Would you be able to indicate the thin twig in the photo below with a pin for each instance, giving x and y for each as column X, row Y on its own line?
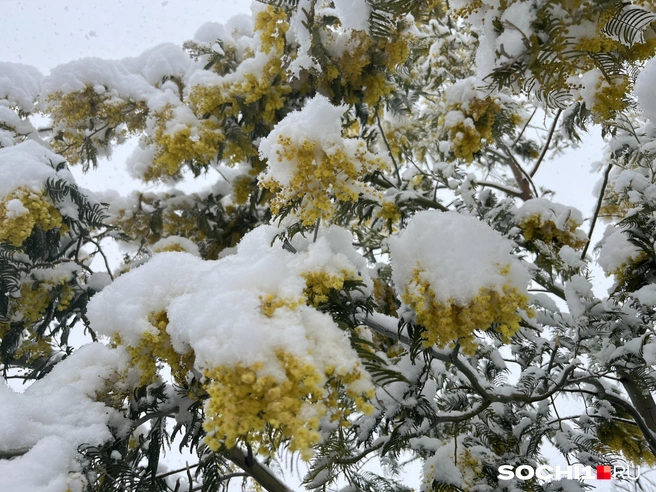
column 102, row 253
column 597, row 209
column 154, row 415
column 508, row 191
column 316, row 229
column 179, row 470
column 389, row 150
column 546, row 144
column 523, row 129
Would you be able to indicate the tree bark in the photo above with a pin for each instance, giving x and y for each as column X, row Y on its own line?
column 260, row 473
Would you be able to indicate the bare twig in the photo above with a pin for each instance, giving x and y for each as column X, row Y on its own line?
column 523, row 129
column 597, row 209
column 316, row 229
column 179, row 470
column 102, row 253
column 259, row 472
column 13, row 453
column 546, row 144
column 389, row 150
column 505, row 189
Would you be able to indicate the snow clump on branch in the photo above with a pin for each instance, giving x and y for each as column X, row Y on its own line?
column 458, row 275
column 274, row 367
column 310, row 162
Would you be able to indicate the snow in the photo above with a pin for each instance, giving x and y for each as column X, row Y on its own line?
column 440, row 468
column 165, row 60
column 15, row 208
column 20, row 85
column 145, row 290
column 645, row 90
column 577, row 289
column 215, row 307
column 97, row 281
column 300, row 33
column 440, row 243
column 353, row 14
column 616, row 250
column 54, row 416
column 517, row 19
column 13, row 127
column 26, row 165
column 646, row 295
column 461, row 92
column 571, row 257
column 318, row 121
column 111, row 74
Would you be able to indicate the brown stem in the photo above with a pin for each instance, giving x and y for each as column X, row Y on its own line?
column 600, row 202
column 546, row 144
column 521, row 177
column 260, row 473
column 643, row 401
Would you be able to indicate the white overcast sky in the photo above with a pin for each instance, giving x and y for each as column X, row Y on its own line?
column 46, row 33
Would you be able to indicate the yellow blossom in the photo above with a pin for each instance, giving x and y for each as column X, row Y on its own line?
column 246, row 405
column 156, row 346
column 39, row 211
column 450, row 321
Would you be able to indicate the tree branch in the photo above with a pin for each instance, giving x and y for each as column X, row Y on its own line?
column 600, row 201
column 546, row 144
column 389, row 150
column 452, row 357
column 13, row 453
column 522, row 178
column 506, row 190
column 645, row 429
column 259, row 472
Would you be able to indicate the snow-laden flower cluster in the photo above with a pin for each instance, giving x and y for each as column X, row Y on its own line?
column 618, row 256
column 275, row 368
column 254, row 79
column 449, row 300
column 550, row 222
column 309, row 162
column 25, row 168
column 583, row 37
column 469, row 118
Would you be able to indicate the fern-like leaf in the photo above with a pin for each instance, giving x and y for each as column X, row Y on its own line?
column 283, row 4
column 628, row 25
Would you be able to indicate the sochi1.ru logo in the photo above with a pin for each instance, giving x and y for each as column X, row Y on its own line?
column 571, row 472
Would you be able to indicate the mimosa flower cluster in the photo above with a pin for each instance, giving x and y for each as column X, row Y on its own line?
column 450, row 302
column 275, row 369
column 311, row 166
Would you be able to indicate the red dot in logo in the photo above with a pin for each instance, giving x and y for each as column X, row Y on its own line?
column 603, row 472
